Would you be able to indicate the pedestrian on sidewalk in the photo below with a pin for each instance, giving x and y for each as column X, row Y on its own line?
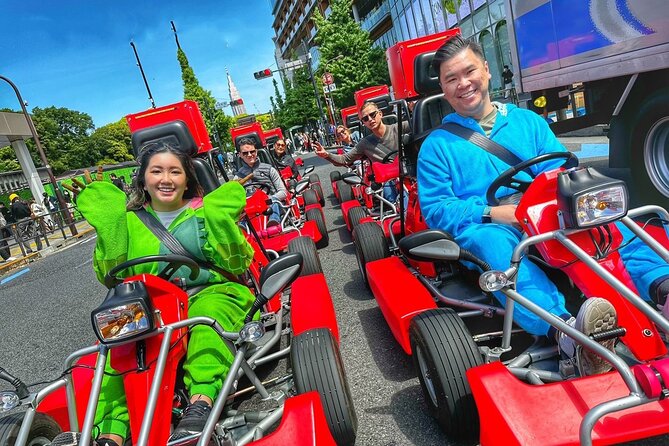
column 25, row 225
column 5, row 233
column 507, row 77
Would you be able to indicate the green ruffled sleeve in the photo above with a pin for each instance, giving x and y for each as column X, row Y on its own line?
column 222, row 209
column 103, row 205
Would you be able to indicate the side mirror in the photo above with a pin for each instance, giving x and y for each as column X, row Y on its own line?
column 353, row 180
column 302, row 186
column 308, row 169
column 279, row 273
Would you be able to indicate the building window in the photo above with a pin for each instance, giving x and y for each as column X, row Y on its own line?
column 481, row 20
column 411, row 23
column 464, row 10
column 438, row 14
column 502, row 36
column 418, row 17
column 427, row 16
column 466, row 28
column 497, row 10
column 486, row 41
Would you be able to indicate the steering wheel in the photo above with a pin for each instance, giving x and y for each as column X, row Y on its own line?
column 174, row 262
column 254, row 184
column 505, row 179
column 390, row 155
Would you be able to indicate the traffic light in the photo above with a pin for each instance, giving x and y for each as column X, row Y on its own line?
column 236, row 102
column 262, row 74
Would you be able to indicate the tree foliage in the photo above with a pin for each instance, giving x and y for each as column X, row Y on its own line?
column 361, row 65
column 112, row 142
column 217, row 122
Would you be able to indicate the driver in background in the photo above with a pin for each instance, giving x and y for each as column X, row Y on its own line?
column 283, row 158
column 454, row 175
column 263, row 175
column 167, row 187
column 374, row 147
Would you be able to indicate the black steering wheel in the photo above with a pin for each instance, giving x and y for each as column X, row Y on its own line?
column 174, row 262
column 254, row 184
column 389, row 156
column 505, row 179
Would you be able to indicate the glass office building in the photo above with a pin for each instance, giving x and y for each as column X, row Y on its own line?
column 483, row 20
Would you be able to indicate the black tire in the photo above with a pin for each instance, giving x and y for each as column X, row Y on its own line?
column 345, row 191
column 316, row 187
column 310, row 197
column 42, row 431
column 443, row 350
column 317, row 216
column 335, row 176
column 370, row 245
column 354, row 216
column 645, row 129
column 306, row 246
column 313, row 178
column 317, row 365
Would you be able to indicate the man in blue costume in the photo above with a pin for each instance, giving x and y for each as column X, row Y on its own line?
column 454, row 175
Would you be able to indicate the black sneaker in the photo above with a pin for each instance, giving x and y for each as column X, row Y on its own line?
column 194, row 418
column 73, row 439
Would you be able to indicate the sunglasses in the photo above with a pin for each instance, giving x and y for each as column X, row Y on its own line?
column 280, row 144
column 341, row 132
column 249, row 153
column 372, row 115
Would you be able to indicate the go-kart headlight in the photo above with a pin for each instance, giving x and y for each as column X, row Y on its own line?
column 587, row 198
column 8, row 401
column 126, row 313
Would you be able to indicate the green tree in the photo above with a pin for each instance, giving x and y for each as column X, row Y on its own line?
column 299, row 103
column 113, row 143
column 215, row 119
column 8, row 161
column 361, row 65
column 64, row 135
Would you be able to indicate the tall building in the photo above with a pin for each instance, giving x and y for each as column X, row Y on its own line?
column 236, row 102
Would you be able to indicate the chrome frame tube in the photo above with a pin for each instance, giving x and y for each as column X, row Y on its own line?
column 507, row 326
column 92, row 406
column 597, row 412
column 26, row 424
column 69, row 386
column 273, row 356
column 456, row 302
column 579, row 337
column 543, row 376
column 273, row 340
column 255, row 381
column 263, row 425
column 217, row 408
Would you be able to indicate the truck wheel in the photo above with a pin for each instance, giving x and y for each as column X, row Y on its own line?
column 370, row 245
column 306, row 246
column 310, row 197
column 650, row 132
column 317, row 365
column 345, row 191
column 42, row 431
column 316, row 215
column 335, row 176
column 316, row 187
column 354, row 216
column 443, row 350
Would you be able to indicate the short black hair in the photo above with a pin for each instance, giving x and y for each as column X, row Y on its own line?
column 246, row 142
column 453, row 46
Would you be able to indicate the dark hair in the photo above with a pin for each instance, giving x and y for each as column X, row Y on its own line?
column 368, row 104
column 454, row 46
column 139, row 196
column 506, row 66
column 246, row 142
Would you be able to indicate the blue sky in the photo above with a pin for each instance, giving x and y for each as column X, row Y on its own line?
column 77, row 54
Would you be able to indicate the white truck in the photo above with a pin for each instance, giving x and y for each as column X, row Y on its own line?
column 613, row 55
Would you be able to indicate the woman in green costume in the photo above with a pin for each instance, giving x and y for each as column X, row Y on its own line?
column 166, row 186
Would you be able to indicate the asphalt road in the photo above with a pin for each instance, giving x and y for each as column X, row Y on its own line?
column 45, row 315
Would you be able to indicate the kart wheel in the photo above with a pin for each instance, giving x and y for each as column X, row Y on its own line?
column 306, row 246
column 42, row 431
column 317, row 365
column 316, row 215
column 354, row 216
column 345, row 191
column 443, row 350
column 313, row 178
column 310, row 197
column 335, row 175
column 370, row 244
column 316, row 187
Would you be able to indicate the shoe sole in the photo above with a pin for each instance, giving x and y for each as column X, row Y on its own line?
column 598, row 315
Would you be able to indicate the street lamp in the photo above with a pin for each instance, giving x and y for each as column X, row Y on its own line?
column 42, row 155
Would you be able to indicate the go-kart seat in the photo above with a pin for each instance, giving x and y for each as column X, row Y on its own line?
column 176, row 133
column 253, row 136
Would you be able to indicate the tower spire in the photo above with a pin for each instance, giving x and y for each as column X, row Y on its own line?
column 238, row 107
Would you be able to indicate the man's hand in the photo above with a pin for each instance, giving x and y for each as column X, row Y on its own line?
column 320, row 151
column 505, row 214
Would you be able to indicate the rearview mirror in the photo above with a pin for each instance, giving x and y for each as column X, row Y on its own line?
column 353, row 180
column 279, row 273
column 308, row 169
column 301, row 186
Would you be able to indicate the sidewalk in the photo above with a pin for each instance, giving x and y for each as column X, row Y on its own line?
column 56, row 240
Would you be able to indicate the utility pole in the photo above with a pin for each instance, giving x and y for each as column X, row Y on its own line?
column 313, row 82
column 141, row 70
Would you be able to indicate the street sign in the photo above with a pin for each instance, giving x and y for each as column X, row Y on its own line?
column 327, row 78
column 294, row 64
column 329, row 88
